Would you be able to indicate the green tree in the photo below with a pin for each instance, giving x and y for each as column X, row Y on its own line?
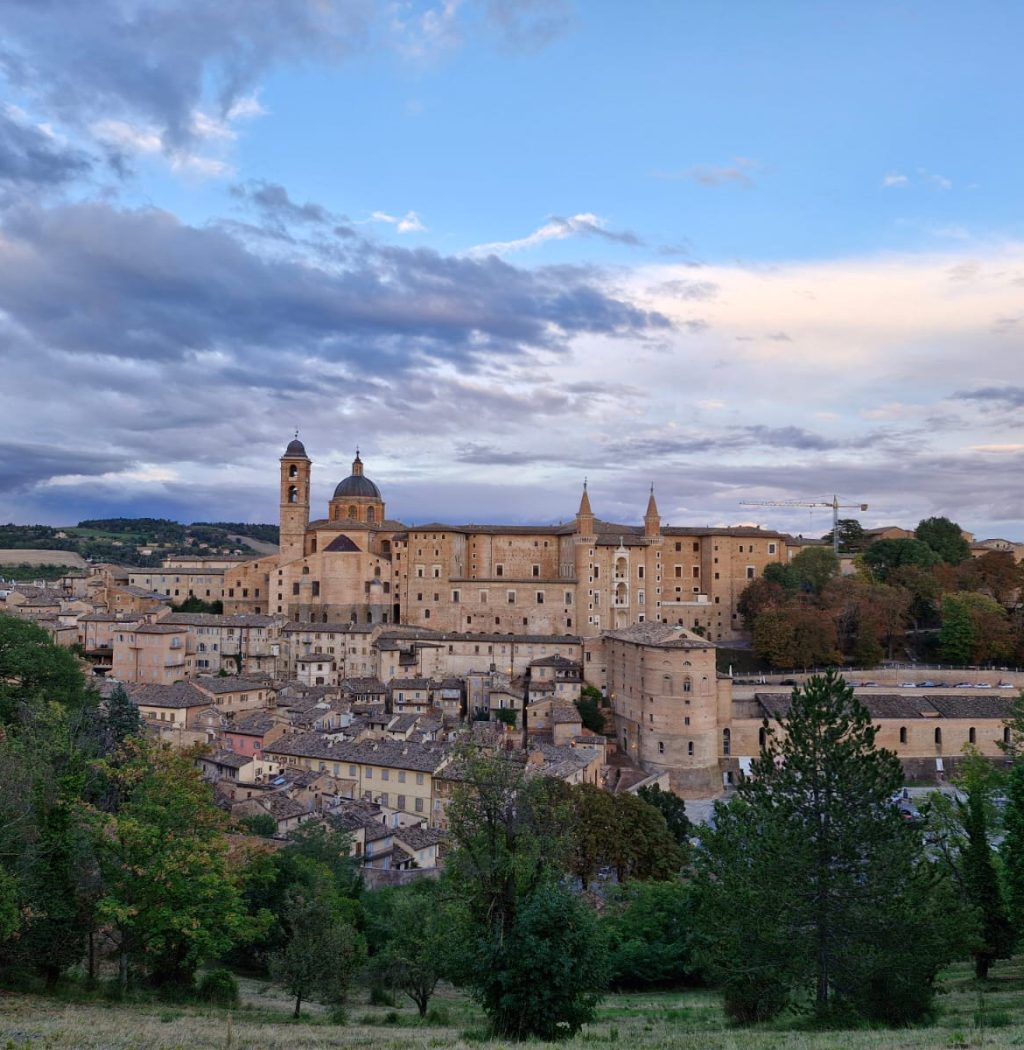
column 123, row 718
column 529, row 950
column 589, row 708
column 321, row 953
column 672, row 808
column 852, row 538
column 168, row 891
column 810, row 866
column 813, row 567
column 761, row 595
column 1012, row 850
column 975, row 628
column 33, row 670
column 944, row 537
column 649, row 929
column 886, row 556
column 960, row 831
column 414, row 955
column 262, row 824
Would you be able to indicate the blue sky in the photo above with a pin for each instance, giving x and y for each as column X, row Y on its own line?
column 740, row 250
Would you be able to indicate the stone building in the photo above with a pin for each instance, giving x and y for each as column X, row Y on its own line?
column 580, row 578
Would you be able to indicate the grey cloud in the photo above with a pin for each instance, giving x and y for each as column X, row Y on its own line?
column 1008, row 396
column 155, row 62
column 29, row 157
column 739, row 173
column 24, row 464
column 273, row 201
column 142, row 285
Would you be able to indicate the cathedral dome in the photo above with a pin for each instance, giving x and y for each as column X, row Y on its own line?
column 296, row 448
column 357, row 484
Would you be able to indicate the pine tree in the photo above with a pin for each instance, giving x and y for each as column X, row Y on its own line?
column 810, row 867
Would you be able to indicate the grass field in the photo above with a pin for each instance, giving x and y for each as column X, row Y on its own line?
column 969, row 1015
column 15, row 556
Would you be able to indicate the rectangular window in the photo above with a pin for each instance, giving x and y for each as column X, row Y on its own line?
column 419, row 778
column 771, row 548
column 419, row 805
column 401, row 801
column 540, row 597
column 597, row 571
column 536, row 570
column 316, row 588
column 751, row 571
column 401, row 776
column 499, row 570
column 295, row 588
column 568, row 597
column 385, row 774
column 679, row 571
column 696, row 572
column 369, row 773
column 511, row 595
column 455, row 596
column 640, row 572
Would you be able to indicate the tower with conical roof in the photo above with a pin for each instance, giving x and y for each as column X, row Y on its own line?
column 295, row 475
column 652, row 519
column 584, row 541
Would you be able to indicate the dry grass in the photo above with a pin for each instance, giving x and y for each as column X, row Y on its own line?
column 969, row 1016
column 11, row 556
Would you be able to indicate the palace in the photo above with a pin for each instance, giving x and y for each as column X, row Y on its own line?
column 582, row 578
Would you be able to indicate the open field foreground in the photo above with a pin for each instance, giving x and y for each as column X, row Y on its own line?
column 970, row 1015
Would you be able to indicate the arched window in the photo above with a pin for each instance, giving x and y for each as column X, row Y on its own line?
column 305, row 570
column 762, row 737
column 371, row 515
column 689, row 749
column 325, row 617
column 687, row 685
column 352, row 513
column 972, row 735
column 293, row 471
column 376, row 570
column 903, row 734
column 293, row 494
column 938, row 734
column 312, row 545
column 726, row 742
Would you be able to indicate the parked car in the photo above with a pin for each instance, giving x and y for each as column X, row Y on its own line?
column 964, row 685
column 983, row 685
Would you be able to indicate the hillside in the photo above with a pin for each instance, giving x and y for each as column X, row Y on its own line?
column 139, row 542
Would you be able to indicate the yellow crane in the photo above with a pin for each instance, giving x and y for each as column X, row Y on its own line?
column 833, row 503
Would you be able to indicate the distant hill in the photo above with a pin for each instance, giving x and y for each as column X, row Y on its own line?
column 143, row 542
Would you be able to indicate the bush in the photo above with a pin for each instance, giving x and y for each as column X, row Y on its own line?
column 381, row 996
column 218, row 987
column 752, row 1001
column 439, row 1015
column 338, row 1014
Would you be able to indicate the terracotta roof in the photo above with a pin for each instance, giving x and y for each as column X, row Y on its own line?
column 219, row 684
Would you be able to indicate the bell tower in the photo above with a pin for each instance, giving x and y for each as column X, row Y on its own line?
column 295, row 469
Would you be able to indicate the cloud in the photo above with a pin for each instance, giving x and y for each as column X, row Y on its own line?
column 937, row 182
column 407, row 223
column 740, row 172
column 894, row 180
column 155, row 65
column 528, row 25
column 1006, row 396
column 585, row 224
column 31, row 157
column 24, row 463
column 692, row 291
column 274, row 203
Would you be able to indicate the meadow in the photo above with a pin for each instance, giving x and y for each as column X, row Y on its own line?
column 969, row 1014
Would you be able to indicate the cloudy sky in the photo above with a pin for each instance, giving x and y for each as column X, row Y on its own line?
column 744, row 251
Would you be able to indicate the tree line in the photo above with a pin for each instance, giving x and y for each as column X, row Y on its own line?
column 926, row 594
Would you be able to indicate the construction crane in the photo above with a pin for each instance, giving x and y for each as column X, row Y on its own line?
column 833, row 503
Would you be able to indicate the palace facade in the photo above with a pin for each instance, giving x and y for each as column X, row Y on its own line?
column 582, row 578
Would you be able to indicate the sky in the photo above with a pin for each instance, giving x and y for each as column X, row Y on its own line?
column 743, row 252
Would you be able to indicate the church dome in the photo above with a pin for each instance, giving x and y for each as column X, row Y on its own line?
column 296, row 448
column 357, row 484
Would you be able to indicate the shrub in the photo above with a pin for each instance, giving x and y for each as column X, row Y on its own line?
column 218, row 987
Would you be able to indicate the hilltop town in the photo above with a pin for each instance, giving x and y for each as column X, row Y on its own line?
column 345, row 666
